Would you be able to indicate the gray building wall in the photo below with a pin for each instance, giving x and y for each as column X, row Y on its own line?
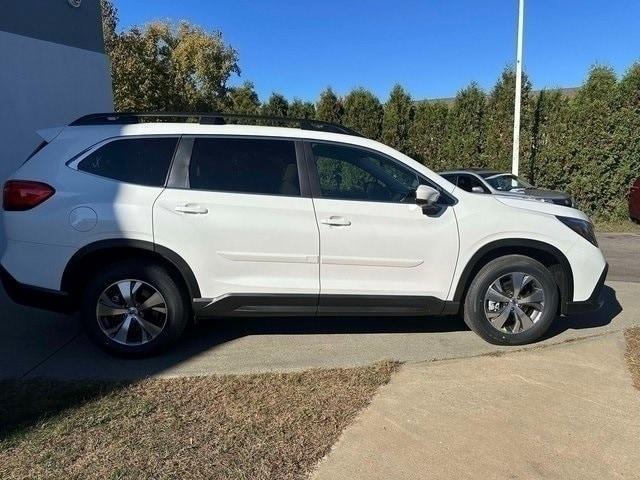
column 53, row 69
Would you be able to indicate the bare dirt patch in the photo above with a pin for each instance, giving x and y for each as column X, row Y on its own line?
column 632, row 355
column 242, row 426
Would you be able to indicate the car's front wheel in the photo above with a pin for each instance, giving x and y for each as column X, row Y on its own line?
column 512, row 301
column 134, row 308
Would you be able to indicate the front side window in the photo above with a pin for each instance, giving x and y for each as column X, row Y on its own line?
column 351, row 173
column 244, row 165
column 143, row 161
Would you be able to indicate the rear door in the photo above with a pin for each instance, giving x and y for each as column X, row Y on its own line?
column 238, row 213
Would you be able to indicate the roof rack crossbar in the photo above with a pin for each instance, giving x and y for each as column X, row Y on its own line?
column 209, row 118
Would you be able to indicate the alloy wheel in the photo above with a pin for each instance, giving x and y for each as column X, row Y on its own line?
column 131, row 312
column 514, row 302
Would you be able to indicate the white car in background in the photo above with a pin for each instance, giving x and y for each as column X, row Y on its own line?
column 144, row 221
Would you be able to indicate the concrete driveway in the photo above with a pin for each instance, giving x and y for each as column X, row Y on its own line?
column 36, row 343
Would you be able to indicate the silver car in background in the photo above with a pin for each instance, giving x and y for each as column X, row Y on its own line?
column 480, row 180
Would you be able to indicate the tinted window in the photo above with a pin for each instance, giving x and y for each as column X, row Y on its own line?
column 452, row 177
column 507, row 182
column 244, row 165
column 355, row 174
column 469, row 182
column 144, row 161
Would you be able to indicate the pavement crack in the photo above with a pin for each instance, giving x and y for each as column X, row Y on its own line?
column 45, row 359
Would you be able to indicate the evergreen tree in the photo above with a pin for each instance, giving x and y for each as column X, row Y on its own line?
column 276, row 106
column 463, row 146
column 329, row 107
column 627, row 137
column 498, row 124
column 397, row 119
column 427, row 135
column 300, row 109
column 594, row 158
column 363, row 113
column 549, row 133
column 244, row 99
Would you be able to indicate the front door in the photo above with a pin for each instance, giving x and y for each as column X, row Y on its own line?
column 377, row 247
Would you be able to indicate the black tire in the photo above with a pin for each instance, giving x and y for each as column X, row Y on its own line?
column 177, row 306
column 474, row 311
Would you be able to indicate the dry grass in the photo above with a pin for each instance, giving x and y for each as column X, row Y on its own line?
column 632, row 335
column 616, row 226
column 274, row 426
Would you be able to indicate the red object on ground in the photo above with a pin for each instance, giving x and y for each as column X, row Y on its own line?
column 634, row 201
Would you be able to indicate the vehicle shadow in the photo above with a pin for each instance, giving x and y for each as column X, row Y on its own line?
column 242, row 326
column 599, row 318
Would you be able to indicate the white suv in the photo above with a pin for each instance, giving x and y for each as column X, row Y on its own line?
column 144, row 221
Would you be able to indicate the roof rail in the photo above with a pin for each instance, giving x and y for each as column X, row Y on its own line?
column 214, row 118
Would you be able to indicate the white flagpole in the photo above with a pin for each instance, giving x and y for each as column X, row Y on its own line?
column 516, row 114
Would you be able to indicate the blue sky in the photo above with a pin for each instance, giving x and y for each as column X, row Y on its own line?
column 432, row 47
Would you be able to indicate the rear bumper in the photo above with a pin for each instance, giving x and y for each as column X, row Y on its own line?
column 594, row 302
column 36, row 297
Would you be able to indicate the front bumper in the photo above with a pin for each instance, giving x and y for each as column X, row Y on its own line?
column 36, row 297
column 594, row 302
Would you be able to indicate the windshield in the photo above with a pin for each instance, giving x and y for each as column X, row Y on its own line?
column 505, row 182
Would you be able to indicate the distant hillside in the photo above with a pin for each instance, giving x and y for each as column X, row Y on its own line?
column 567, row 92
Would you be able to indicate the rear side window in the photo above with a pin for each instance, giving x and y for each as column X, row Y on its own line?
column 244, row 165
column 143, row 161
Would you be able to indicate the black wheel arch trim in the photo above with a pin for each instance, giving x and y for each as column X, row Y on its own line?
column 167, row 254
column 566, row 290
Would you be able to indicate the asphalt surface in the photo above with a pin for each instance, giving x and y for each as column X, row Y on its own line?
column 622, row 251
column 35, row 343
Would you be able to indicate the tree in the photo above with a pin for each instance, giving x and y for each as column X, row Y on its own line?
column 276, row 106
column 329, row 107
column 202, row 64
column 463, row 146
column 363, row 113
column 140, row 72
column 626, row 132
column 166, row 67
column 427, row 135
column 397, row 118
column 244, row 99
column 109, row 24
column 594, row 159
column 549, row 133
column 498, row 124
column 300, row 109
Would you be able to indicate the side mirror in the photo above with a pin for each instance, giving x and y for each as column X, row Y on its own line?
column 477, row 190
column 426, row 196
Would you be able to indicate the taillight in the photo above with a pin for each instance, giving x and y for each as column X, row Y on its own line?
column 20, row 195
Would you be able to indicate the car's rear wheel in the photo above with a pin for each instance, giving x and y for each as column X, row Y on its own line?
column 134, row 308
column 512, row 301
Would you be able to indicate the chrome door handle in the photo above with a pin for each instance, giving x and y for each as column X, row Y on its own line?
column 195, row 209
column 336, row 221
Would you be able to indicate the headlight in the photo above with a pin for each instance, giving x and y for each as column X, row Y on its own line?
column 583, row 228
